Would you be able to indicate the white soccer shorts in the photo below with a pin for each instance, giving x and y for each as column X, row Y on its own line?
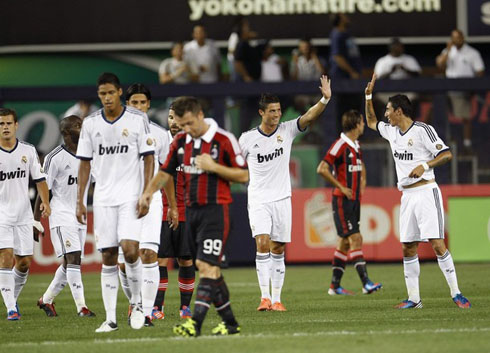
column 115, row 223
column 152, row 225
column 20, row 238
column 66, row 240
column 273, row 218
column 421, row 214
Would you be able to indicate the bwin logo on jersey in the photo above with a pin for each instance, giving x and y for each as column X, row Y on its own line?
column 269, row 156
column 405, row 156
column 113, row 149
column 16, row 174
column 72, row 180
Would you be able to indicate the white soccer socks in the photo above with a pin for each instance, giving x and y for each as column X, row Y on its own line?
column 446, row 265
column 263, row 264
column 277, row 276
column 411, row 269
column 149, row 287
column 110, row 285
column 133, row 272
column 125, row 284
column 56, row 285
column 20, row 279
column 74, row 280
column 7, row 284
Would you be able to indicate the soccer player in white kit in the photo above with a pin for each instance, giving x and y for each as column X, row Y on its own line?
column 417, row 150
column 267, row 149
column 139, row 97
column 111, row 143
column 67, row 234
column 18, row 161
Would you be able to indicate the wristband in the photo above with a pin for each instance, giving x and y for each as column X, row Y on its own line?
column 426, row 166
column 324, row 100
column 369, row 96
column 38, row 226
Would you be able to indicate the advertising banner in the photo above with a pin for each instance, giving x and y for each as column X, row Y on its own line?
column 314, row 236
column 93, row 21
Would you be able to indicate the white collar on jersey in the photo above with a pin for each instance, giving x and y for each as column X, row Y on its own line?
column 208, row 136
column 353, row 144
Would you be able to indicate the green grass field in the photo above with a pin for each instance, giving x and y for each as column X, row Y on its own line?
column 315, row 321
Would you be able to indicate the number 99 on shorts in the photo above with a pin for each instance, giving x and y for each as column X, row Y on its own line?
column 212, row 247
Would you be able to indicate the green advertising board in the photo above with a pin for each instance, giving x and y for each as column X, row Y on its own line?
column 469, row 228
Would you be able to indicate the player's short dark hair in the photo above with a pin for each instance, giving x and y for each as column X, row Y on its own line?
column 138, row 88
column 401, row 101
column 350, row 120
column 7, row 112
column 186, row 104
column 67, row 121
column 266, row 99
column 108, row 78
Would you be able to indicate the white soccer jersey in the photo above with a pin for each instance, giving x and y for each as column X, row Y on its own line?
column 61, row 168
column 419, row 144
column 115, row 148
column 268, row 161
column 16, row 166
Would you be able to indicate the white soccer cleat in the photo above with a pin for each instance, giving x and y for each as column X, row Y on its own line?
column 107, row 326
column 137, row 319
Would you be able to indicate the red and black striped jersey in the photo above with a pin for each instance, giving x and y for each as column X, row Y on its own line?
column 202, row 188
column 345, row 157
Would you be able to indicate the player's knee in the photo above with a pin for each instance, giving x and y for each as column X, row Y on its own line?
column 22, row 263
column 109, row 256
column 355, row 241
column 263, row 243
column 438, row 246
column 277, row 248
column 184, row 262
column 148, row 256
column 74, row 258
column 409, row 249
column 163, row 262
column 206, row 270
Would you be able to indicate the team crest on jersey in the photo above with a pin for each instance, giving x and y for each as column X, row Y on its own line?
column 214, row 152
column 279, row 139
column 438, row 146
column 125, row 133
column 24, row 159
column 410, row 142
column 149, row 142
column 68, row 244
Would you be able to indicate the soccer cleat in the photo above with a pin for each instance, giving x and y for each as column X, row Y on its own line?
column 85, row 312
column 185, row 312
column 265, row 304
column 461, row 301
column 157, row 314
column 339, row 291
column 148, row 322
column 371, row 287
column 187, row 329
column 224, row 330
column 13, row 315
column 408, row 304
column 48, row 308
column 17, row 309
column 137, row 319
column 278, row 307
column 107, row 326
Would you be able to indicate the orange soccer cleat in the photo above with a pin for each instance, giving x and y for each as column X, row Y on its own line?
column 278, row 307
column 265, row 304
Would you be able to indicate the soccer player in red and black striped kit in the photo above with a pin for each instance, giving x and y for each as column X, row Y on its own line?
column 349, row 179
column 174, row 244
column 210, row 158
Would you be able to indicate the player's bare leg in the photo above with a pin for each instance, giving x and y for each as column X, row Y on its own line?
column 278, row 272
column 150, row 281
column 7, row 282
column 446, row 265
column 263, row 264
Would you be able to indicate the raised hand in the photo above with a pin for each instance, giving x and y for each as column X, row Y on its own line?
column 325, row 87
column 370, row 86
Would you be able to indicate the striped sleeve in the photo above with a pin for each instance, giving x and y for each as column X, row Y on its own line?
column 333, row 152
column 431, row 140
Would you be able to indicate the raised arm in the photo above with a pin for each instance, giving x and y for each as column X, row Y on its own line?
column 371, row 119
column 314, row 112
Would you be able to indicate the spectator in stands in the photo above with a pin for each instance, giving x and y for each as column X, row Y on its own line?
column 459, row 60
column 233, row 42
column 306, row 66
column 273, row 65
column 247, row 58
column 82, row 109
column 305, row 63
column 396, row 65
column 345, row 63
column 202, row 54
column 176, row 69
